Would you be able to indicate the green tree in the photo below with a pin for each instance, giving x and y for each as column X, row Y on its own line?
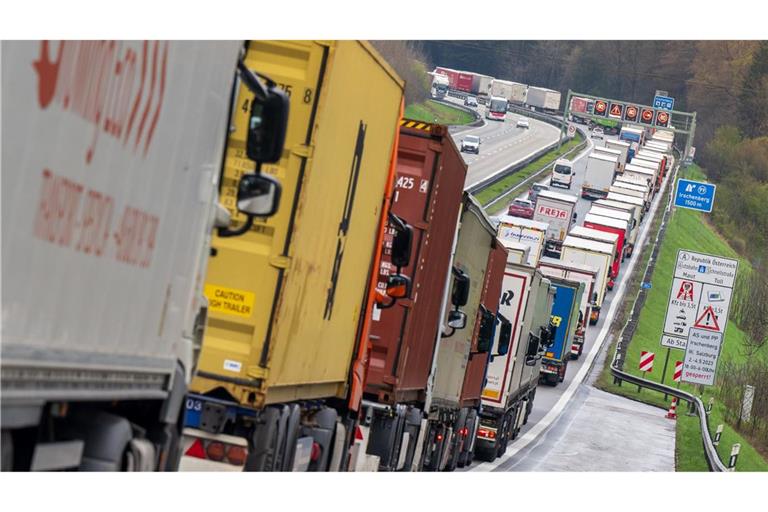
column 753, row 100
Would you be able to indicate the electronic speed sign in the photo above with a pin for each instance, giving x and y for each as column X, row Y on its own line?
column 662, row 118
column 616, row 111
column 601, row 107
column 646, row 116
column 631, row 113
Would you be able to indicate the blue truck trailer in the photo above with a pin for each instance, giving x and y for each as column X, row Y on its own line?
column 565, row 318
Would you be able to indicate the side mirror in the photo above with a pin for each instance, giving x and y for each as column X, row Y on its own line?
column 401, row 244
column 547, row 336
column 258, row 194
column 532, row 351
column 485, row 333
column 398, row 286
column 594, row 298
column 457, row 319
column 460, row 294
column 505, row 335
column 267, row 125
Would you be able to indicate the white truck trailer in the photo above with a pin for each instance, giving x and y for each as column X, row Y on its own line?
column 514, row 92
column 622, row 146
column 530, row 233
column 594, row 254
column 598, row 176
column 110, row 192
column 541, row 98
column 557, row 211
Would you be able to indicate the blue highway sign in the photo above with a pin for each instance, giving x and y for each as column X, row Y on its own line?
column 695, row 195
column 663, row 102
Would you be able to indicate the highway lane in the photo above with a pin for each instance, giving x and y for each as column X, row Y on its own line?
column 548, row 404
column 503, row 144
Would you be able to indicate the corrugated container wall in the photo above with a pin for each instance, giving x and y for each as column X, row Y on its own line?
column 430, row 179
column 297, row 281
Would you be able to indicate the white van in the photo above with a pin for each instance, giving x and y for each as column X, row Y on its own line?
column 562, row 173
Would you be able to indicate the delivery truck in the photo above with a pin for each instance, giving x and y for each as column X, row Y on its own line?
column 565, row 319
column 631, row 229
column 581, row 273
column 530, row 233
column 462, row 354
column 510, row 388
column 107, row 216
column 557, row 210
column 598, row 175
column 620, row 227
column 308, row 273
column 515, row 93
column 594, row 254
column 632, row 134
column 611, row 239
column 562, row 173
column 632, row 189
column 656, row 165
column 543, row 99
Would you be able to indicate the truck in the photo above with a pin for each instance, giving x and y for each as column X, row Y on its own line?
column 630, row 197
column 531, row 233
column 581, row 105
column 598, row 175
column 644, row 173
column 565, row 318
column 261, row 391
column 661, row 147
column 612, row 225
column 562, row 173
column 455, row 380
column 457, row 80
column 622, row 146
column 496, row 109
column 481, row 85
column 513, row 374
column 514, row 92
column 655, row 157
column 604, row 150
column 581, row 273
column 631, row 228
column 632, row 189
column 611, row 239
column 103, row 306
column 557, row 210
column 594, row 254
column 541, row 98
column 440, row 85
column 395, row 393
column 632, row 134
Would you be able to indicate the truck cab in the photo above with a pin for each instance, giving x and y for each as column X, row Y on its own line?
column 562, row 173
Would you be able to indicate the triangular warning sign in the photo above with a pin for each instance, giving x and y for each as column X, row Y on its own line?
column 708, row 320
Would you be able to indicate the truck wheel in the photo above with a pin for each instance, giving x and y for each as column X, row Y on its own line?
column 485, row 454
column 581, row 349
column 7, row 449
column 552, row 380
column 561, row 373
column 263, row 450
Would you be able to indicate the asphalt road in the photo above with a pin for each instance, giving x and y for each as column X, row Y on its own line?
column 502, row 143
column 550, row 428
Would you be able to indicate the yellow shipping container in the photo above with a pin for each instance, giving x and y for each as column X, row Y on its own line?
column 286, row 299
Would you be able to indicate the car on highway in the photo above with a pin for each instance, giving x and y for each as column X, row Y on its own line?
column 521, row 208
column 597, row 133
column 470, row 101
column 470, row 144
column 523, row 123
column 535, row 189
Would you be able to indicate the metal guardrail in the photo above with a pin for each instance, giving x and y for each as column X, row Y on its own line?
column 628, row 331
column 478, row 119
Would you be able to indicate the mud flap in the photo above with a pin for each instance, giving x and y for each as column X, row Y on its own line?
column 418, row 455
column 339, row 445
column 322, row 431
column 262, row 455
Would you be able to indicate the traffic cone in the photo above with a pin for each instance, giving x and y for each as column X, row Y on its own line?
column 672, row 413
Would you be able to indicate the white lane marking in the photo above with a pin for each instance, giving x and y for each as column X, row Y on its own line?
column 554, row 413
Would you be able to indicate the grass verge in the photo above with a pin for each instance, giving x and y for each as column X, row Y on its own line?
column 503, row 186
column 439, row 113
column 687, row 230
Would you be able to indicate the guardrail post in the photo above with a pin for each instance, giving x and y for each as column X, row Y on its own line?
column 718, row 433
column 709, row 405
column 734, row 456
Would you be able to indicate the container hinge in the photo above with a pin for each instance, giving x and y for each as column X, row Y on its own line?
column 257, row 372
column 280, row 261
column 302, row 150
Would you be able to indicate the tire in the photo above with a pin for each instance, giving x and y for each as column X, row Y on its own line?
column 7, row 451
column 581, row 349
column 552, row 380
column 263, row 453
column 485, row 454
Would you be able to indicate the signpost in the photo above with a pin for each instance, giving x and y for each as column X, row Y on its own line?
column 571, row 131
column 601, row 107
column 697, row 312
column 695, row 195
column 616, row 111
column 631, row 113
column 646, row 116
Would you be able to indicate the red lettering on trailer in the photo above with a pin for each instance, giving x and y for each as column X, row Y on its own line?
column 96, row 81
column 553, row 212
column 67, row 212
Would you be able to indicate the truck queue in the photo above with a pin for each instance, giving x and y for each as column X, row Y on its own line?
column 316, row 291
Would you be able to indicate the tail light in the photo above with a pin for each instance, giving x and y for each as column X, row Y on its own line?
column 439, row 437
column 464, row 432
column 486, row 433
column 217, row 451
column 358, row 433
column 316, row 450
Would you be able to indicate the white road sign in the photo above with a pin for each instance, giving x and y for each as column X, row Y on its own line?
column 700, row 296
column 701, row 353
column 571, row 130
column 673, row 342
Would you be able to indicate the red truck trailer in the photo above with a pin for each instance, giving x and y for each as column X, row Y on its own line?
column 428, row 191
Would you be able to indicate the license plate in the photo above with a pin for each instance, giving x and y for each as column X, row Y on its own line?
column 193, row 409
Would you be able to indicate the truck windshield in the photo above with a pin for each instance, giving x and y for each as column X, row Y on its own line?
column 562, row 169
column 498, row 106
